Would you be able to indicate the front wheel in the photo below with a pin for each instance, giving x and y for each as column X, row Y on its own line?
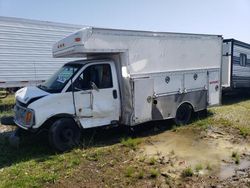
column 64, row 134
column 183, row 114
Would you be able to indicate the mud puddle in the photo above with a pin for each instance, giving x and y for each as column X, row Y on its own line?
column 230, row 170
column 188, row 147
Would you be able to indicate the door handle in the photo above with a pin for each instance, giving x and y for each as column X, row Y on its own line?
column 114, row 94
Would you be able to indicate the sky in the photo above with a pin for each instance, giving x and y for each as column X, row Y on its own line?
column 230, row 18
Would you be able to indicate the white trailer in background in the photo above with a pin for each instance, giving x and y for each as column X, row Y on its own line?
column 25, row 50
column 129, row 77
column 235, row 65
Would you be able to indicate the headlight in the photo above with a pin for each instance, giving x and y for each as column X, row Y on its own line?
column 24, row 116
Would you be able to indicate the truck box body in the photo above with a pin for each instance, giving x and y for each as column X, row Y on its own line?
column 25, row 50
column 236, row 64
column 157, row 71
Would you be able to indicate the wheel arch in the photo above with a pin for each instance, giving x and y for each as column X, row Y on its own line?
column 48, row 122
column 185, row 102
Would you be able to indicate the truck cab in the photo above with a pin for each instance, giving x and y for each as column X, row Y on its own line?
column 83, row 92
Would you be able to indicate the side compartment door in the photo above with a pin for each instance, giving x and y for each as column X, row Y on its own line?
column 214, row 89
column 143, row 93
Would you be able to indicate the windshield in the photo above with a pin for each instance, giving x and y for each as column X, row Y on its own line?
column 57, row 81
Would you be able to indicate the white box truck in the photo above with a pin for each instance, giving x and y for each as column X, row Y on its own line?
column 124, row 77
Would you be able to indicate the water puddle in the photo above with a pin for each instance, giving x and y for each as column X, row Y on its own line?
column 191, row 148
column 229, row 170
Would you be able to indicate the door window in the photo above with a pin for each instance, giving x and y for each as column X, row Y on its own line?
column 99, row 74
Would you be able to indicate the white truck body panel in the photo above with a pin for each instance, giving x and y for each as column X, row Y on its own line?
column 25, row 50
column 148, row 51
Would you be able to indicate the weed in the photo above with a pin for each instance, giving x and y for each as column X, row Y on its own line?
column 236, row 157
column 152, row 161
column 172, row 152
column 204, row 123
column 198, row 167
column 234, row 154
column 131, row 142
column 175, row 128
column 237, row 160
column 140, row 175
column 187, row 172
column 244, row 131
column 129, row 171
column 209, row 167
column 154, row 173
column 142, row 159
column 94, row 156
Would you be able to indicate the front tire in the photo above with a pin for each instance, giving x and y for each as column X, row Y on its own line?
column 64, row 134
column 183, row 114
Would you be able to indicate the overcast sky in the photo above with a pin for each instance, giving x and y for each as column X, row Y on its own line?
column 230, row 18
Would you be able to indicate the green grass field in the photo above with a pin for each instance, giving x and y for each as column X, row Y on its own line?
column 107, row 158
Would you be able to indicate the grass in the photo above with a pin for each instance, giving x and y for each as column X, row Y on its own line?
column 129, row 172
column 152, row 161
column 154, row 173
column 6, row 106
column 131, row 142
column 209, row 167
column 94, row 155
column 140, row 174
column 244, row 131
column 198, row 167
column 187, row 172
column 236, row 157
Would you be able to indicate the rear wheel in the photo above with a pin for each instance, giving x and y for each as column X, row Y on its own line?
column 183, row 114
column 64, row 134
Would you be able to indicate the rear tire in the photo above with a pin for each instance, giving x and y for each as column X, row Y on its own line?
column 64, row 134
column 183, row 114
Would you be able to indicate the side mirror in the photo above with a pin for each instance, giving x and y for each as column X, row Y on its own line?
column 93, row 86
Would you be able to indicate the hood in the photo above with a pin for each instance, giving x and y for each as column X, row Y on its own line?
column 25, row 94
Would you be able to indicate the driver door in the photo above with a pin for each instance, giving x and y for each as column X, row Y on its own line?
column 97, row 99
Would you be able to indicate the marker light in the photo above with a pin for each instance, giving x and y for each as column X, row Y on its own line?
column 28, row 117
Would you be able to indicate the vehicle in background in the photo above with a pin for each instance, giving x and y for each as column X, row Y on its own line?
column 128, row 78
column 25, row 50
column 235, row 65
